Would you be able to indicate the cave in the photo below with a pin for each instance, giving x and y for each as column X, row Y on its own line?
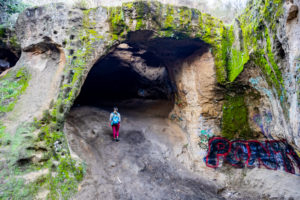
column 137, row 71
column 143, row 78
column 7, row 58
column 114, row 79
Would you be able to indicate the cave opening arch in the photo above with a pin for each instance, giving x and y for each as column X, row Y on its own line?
column 144, row 79
column 106, row 28
column 140, row 70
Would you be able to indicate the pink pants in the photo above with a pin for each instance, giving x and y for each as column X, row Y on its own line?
column 115, row 129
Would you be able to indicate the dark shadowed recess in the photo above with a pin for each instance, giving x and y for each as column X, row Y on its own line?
column 113, row 79
column 7, row 59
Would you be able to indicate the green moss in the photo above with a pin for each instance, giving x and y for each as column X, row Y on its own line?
column 213, row 32
column 277, row 73
column 235, row 59
column 62, row 180
column 11, row 87
column 18, row 145
column 251, row 23
column 169, row 19
column 236, row 63
column 257, row 22
column 128, row 5
column 185, row 17
column 140, row 24
column 235, row 118
column 258, row 25
column 117, row 20
column 68, row 174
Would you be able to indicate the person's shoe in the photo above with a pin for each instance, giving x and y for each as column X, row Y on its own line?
column 114, row 139
column 117, row 139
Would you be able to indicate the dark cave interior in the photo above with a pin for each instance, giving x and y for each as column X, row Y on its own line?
column 137, row 69
column 7, row 59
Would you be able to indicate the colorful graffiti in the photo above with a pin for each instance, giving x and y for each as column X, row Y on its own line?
column 272, row 154
column 264, row 123
column 204, row 136
column 256, row 83
column 204, row 132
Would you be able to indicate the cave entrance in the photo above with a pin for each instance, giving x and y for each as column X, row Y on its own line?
column 137, row 72
column 143, row 79
column 7, row 58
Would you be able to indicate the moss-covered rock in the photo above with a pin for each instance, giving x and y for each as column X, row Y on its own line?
column 235, row 118
column 258, row 25
column 12, row 85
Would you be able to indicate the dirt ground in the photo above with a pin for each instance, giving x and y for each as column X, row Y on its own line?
column 143, row 165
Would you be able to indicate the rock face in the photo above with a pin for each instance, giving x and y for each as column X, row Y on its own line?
column 289, row 37
column 238, row 82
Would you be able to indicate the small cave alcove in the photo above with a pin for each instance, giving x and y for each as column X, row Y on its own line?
column 7, row 58
column 137, row 71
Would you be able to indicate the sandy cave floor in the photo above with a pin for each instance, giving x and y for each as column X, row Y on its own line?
column 143, row 165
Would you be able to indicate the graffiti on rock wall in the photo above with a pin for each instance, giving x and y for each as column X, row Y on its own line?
column 204, row 136
column 204, row 133
column 264, row 123
column 255, row 82
column 271, row 154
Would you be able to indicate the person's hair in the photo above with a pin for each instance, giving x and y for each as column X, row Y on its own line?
column 115, row 108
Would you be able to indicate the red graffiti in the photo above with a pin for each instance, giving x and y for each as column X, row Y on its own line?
column 271, row 154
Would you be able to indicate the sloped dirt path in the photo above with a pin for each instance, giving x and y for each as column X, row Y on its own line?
column 143, row 165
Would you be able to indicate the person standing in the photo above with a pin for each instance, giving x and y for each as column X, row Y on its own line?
column 115, row 120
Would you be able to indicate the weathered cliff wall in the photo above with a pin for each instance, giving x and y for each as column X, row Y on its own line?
column 250, row 91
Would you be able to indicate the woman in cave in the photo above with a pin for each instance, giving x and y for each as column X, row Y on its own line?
column 115, row 120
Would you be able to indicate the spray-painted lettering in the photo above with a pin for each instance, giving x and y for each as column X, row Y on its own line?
column 272, row 154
